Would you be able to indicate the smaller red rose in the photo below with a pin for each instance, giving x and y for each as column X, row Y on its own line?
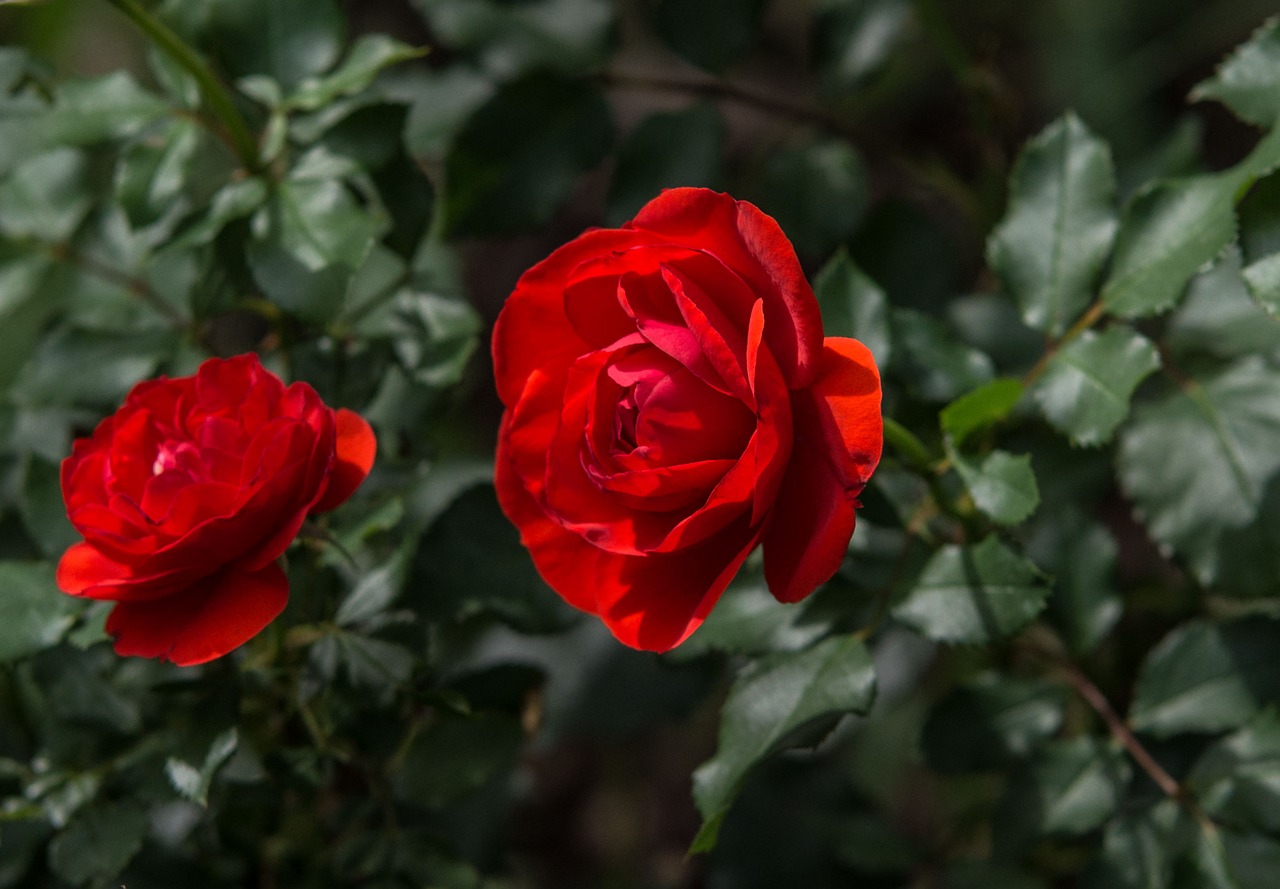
column 188, row 494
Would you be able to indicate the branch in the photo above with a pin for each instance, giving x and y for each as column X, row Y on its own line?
column 216, row 97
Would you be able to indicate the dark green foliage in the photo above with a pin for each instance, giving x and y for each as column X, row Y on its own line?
column 1049, row 658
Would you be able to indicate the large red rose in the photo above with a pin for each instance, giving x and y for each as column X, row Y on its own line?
column 671, row 403
column 188, row 494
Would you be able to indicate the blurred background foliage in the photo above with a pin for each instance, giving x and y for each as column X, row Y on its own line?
column 1070, row 642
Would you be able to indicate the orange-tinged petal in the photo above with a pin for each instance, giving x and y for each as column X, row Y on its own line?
column 355, row 448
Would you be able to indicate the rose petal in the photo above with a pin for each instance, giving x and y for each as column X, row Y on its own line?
column 839, row 433
column 663, row 488
column 721, row 344
column 754, row 246
column 533, row 331
column 560, row 554
column 650, row 602
column 201, row 623
column 86, row 571
column 355, row 449
column 82, row 566
column 591, row 291
column 655, row 602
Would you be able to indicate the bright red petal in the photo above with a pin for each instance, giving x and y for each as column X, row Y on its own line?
column 838, row 436
column 650, row 602
column 533, row 331
column 356, row 448
column 82, row 567
column 753, row 245
column 197, row 625
column 559, row 555
column 655, row 602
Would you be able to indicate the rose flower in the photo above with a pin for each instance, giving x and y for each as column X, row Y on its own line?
column 188, row 494
column 671, row 402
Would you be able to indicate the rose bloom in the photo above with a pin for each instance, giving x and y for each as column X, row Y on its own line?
column 671, row 402
column 188, row 494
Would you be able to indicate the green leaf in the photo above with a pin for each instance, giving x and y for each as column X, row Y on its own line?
column 285, row 40
column 27, row 302
column 44, row 513
column 84, row 112
column 853, row 305
column 1003, row 486
column 1263, row 280
column 78, row 692
column 99, row 842
column 771, row 699
column 433, row 336
column 14, row 61
column 1221, row 315
column 991, row 721
column 1206, row 677
column 1260, row 219
column 1174, row 228
column 471, row 563
column 151, row 176
column 749, row 620
column 1237, row 780
column 1139, row 849
column 709, row 33
column 817, row 191
column 376, row 590
column 442, row 101
column 34, row 614
column 233, row 201
column 1070, row 787
column 368, row 56
column 1052, row 243
column 1229, row 860
column 46, row 197
column 1085, row 389
column 936, row 365
column 514, row 38
column 1169, row 232
column 497, row 184
column 855, row 41
column 1248, row 80
column 1197, row 463
column 666, row 150
column 973, row 594
column 309, row 239
column 369, row 663
column 1080, row 554
column 983, row 407
column 79, row 367
column 193, row 783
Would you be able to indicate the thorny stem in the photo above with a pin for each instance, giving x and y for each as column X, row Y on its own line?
column 1097, row 701
column 216, row 97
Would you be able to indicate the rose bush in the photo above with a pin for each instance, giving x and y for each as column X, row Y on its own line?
column 188, row 494
column 671, row 403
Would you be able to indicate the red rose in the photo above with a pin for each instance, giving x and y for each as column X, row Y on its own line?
column 672, row 402
column 188, row 494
